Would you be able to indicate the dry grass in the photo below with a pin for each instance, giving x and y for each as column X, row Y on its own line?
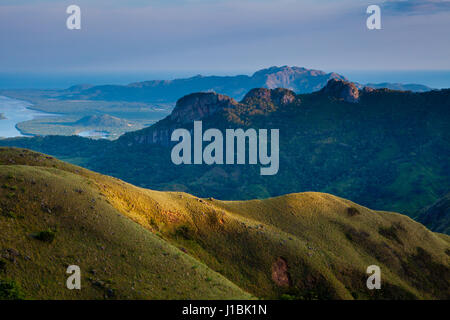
column 327, row 242
column 118, row 258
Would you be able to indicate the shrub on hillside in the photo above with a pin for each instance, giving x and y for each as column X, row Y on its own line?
column 10, row 290
column 46, row 236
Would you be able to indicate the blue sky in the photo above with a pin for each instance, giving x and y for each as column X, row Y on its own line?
column 222, row 35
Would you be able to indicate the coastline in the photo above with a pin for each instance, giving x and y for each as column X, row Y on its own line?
column 32, row 104
column 24, row 105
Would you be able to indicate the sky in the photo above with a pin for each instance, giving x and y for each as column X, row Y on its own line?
column 224, row 36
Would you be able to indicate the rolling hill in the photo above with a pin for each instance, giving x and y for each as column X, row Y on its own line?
column 119, row 259
column 138, row 243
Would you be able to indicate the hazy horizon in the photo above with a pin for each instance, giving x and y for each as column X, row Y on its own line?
column 222, row 36
column 436, row 79
column 121, row 42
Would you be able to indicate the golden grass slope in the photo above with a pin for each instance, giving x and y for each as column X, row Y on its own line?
column 300, row 246
column 119, row 259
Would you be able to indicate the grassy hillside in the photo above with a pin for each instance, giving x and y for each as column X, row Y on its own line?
column 118, row 258
column 302, row 246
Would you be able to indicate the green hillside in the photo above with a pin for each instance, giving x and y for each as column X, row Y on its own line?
column 119, row 259
column 138, row 243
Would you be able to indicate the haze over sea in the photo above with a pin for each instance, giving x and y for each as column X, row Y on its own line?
column 432, row 78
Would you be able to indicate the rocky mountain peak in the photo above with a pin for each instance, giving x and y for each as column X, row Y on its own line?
column 342, row 90
column 298, row 79
column 197, row 106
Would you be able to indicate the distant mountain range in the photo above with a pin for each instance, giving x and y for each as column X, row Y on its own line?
column 382, row 148
column 144, row 103
column 399, row 86
column 300, row 80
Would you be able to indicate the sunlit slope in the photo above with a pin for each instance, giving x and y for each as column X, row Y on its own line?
column 339, row 239
column 118, row 258
column 306, row 246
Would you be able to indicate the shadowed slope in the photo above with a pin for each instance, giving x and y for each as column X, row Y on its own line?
column 437, row 216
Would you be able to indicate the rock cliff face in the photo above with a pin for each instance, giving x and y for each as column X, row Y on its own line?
column 152, row 135
column 342, row 90
column 197, row 106
column 298, row 79
column 193, row 107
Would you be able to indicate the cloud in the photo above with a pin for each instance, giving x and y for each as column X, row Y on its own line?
column 416, row 7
